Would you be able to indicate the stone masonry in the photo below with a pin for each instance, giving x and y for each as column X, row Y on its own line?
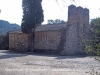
column 65, row 39
column 76, row 30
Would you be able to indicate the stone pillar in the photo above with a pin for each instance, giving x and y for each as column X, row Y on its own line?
column 80, row 21
column 80, row 16
column 71, row 32
column 72, row 14
column 86, row 26
column 86, row 16
column 80, row 28
column 77, row 18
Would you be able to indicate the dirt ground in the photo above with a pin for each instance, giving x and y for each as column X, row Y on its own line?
column 13, row 63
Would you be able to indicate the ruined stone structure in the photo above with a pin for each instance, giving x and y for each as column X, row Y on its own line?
column 76, row 30
column 65, row 39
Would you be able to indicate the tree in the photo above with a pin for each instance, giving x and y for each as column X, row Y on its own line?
column 95, row 23
column 33, row 16
column 57, row 21
column 4, row 41
column 5, row 26
column 95, row 48
column 50, row 21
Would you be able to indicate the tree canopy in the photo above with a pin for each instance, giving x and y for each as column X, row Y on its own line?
column 5, row 26
column 95, row 23
column 95, row 48
column 57, row 21
column 4, row 41
column 32, row 15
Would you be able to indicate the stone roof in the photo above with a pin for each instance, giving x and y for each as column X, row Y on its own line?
column 46, row 27
column 15, row 31
column 51, row 27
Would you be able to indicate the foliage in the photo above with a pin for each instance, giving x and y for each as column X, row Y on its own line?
column 5, row 26
column 88, row 48
column 97, row 45
column 57, row 21
column 95, row 23
column 96, row 27
column 1, row 37
column 95, row 49
column 33, row 15
column 4, row 41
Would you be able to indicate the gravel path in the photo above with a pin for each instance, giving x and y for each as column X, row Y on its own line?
column 12, row 63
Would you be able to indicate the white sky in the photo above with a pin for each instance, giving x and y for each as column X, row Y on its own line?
column 11, row 9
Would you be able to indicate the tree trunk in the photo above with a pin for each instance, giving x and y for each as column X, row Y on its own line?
column 32, row 39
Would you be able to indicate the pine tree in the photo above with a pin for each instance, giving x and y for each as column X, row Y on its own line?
column 32, row 16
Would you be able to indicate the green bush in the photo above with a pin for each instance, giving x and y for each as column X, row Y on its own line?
column 4, row 42
column 88, row 48
column 95, row 48
column 97, row 45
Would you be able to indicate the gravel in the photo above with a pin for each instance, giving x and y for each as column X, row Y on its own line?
column 13, row 63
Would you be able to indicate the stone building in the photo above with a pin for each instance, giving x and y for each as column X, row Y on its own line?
column 65, row 39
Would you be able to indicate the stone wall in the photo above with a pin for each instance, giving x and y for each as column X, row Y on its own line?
column 77, row 30
column 47, row 40
column 65, row 39
column 19, row 42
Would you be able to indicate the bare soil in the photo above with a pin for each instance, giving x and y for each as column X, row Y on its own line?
column 13, row 63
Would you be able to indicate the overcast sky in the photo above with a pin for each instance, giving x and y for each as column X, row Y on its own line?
column 11, row 10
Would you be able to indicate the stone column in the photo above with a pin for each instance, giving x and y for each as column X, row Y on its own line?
column 71, row 32
column 72, row 14
column 80, row 28
column 86, row 16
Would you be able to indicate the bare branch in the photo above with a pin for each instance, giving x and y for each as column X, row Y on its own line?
column 58, row 4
